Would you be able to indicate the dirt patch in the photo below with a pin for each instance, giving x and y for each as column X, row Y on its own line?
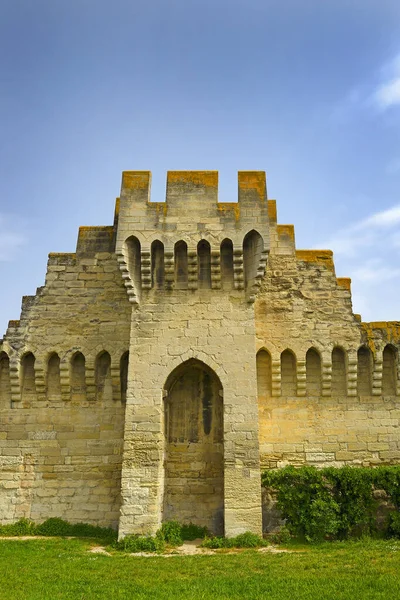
column 99, row 550
column 193, row 548
column 276, row 550
column 24, row 537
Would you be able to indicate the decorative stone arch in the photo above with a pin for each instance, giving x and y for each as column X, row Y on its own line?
column 28, row 376
column 364, row 371
column 264, row 372
column 132, row 251
column 253, row 246
column 103, row 379
column 226, row 262
column 313, row 372
column 5, row 382
column 78, row 376
column 181, row 249
column 389, row 370
column 204, row 264
column 339, row 357
column 157, row 263
column 194, row 448
column 288, row 373
column 53, row 377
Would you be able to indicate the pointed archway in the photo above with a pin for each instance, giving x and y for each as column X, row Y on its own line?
column 194, row 452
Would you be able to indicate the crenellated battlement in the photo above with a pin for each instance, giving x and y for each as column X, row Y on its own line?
column 189, row 230
column 191, row 206
column 181, row 184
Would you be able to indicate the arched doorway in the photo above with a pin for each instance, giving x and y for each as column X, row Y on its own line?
column 194, row 453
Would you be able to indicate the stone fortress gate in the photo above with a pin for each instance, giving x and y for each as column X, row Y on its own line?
column 179, row 352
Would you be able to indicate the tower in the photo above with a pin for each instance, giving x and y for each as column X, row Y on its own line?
column 191, row 267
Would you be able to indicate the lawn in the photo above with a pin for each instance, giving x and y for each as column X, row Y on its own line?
column 41, row 569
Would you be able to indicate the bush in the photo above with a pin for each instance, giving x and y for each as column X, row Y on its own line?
column 140, row 543
column 243, row 540
column 58, row 527
column 352, row 489
column 388, row 479
column 21, row 527
column 393, row 529
column 249, row 540
column 85, row 530
column 306, row 503
column 214, row 543
column 54, row 527
column 171, row 532
column 194, row 532
column 175, row 534
column 334, row 503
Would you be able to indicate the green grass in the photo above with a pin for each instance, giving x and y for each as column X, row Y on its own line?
column 62, row 568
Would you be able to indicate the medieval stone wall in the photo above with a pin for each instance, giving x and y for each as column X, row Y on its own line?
column 62, row 462
column 63, row 375
column 328, row 384
column 176, row 353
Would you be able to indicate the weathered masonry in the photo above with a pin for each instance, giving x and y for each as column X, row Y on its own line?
column 179, row 352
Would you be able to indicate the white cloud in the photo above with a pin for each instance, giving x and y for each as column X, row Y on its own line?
column 367, row 233
column 375, row 271
column 369, row 252
column 10, row 241
column 387, row 93
column 346, row 243
column 380, row 92
column 385, row 218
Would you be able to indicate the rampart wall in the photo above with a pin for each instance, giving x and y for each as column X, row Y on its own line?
column 328, row 384
column 212, row 296
column 63, row 374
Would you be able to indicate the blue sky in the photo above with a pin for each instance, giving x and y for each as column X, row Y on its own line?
column 308, row 90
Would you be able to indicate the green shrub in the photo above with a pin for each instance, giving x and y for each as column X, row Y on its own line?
column 21, row 527
column 171, row 532
column 54, row 527
column 388, row 479
column 393, row 529
column 140, row 543
column 243, row 540
column 216, row 542
column 85, row 530
column 334, row 503
column 194, row 532
column 175, row 534
column 306, row 503
column 352, row 489
column 58, row 527
column 249, row 540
